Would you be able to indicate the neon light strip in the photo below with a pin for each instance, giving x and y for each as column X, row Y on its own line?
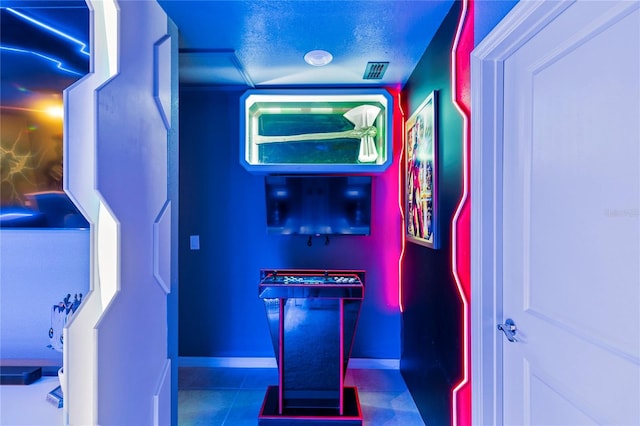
column 281, row 302
column 454, row 222
column 401, row 204
column 48, row 58
column 83, row 46
column 341, row 357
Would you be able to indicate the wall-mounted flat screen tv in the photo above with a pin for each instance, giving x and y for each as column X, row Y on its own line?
column 318, row 205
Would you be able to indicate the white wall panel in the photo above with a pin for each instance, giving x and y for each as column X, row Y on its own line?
column 117, row 363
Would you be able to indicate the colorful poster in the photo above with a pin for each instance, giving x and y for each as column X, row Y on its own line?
column 421, row 153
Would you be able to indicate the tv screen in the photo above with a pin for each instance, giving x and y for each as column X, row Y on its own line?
column 318, row 205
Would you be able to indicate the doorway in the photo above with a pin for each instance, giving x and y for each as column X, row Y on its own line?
column 561, row 267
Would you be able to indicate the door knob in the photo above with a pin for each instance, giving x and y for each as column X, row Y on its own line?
column 509, row 328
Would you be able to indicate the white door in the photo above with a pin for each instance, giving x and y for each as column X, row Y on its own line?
column 571, row 278
column 571, row 224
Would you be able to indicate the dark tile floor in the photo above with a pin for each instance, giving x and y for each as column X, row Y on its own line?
column 233, row 396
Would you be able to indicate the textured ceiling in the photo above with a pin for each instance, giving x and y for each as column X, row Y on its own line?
column 239, row 42
column 267, row 39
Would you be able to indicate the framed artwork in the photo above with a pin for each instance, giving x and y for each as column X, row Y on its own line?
column 421, row 174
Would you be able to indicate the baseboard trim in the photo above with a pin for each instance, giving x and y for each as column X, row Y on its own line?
column 270, row 362
column 227, row 362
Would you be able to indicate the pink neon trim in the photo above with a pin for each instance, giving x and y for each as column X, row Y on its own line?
column 341, row 357
column 401, row 204
column 281, row 357
column 454, row 228
column 262, row 415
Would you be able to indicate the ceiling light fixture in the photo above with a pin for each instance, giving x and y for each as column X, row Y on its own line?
column 318, row 58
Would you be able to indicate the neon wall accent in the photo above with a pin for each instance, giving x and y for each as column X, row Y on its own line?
column 433, row 362
column 82, row 47
column 461, row 224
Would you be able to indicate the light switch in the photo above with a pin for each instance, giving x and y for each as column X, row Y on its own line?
column 194, row 242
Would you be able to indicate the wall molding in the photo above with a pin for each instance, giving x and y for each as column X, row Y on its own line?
column 270, row 362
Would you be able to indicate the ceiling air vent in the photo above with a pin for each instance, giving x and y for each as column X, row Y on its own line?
column 375, row 70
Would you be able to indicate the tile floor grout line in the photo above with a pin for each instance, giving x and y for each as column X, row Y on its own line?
column 373, row 387
column 233, row 402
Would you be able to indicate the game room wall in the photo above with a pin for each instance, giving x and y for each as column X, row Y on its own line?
column 40, row 267
column 432, row 344
column 432, row 351
column 220, row 314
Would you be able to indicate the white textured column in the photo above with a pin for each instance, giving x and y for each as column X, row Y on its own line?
column 116, row 136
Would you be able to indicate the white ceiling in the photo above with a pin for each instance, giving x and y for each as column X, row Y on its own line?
column 263, row 42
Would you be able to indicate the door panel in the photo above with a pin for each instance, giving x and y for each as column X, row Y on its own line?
column 551, row 407
column 571, row 219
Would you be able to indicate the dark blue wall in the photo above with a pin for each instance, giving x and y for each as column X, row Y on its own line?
column 220, row 314
column 432, row 344
column 432, row 321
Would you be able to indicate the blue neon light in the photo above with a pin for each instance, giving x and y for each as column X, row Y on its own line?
column 48, row 58
column 83, row 46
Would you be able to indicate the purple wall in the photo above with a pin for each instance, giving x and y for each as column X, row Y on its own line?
column 220, row 314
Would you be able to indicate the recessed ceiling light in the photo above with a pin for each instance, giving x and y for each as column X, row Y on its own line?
column 318, row 58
